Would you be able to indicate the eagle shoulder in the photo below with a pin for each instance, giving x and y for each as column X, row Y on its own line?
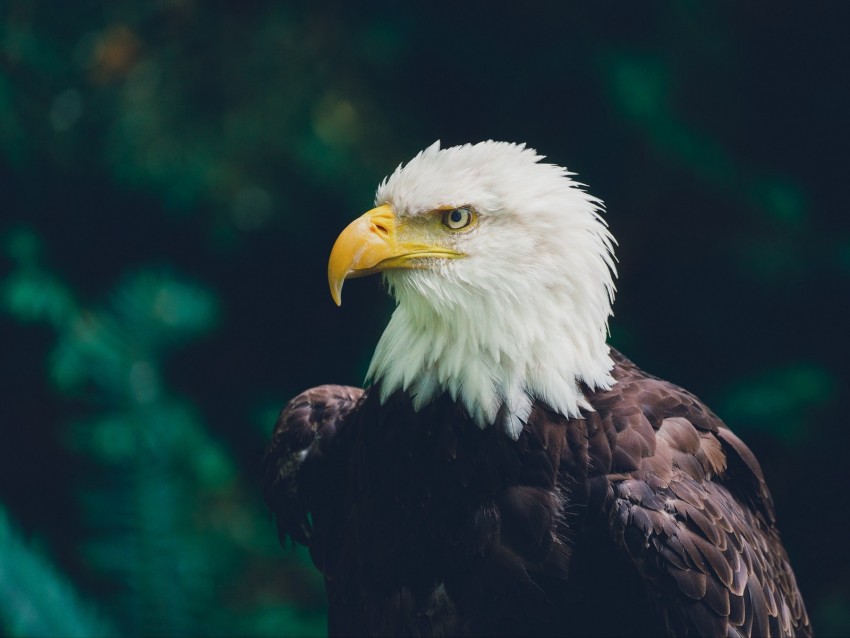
column 296, row 467
column 686, row 501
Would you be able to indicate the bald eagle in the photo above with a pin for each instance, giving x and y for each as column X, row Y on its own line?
column 505, row 471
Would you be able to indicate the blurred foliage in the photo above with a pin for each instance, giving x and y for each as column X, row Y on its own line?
column 781, row 400
column 34, row 599
column 174, row 173
column 168, row 521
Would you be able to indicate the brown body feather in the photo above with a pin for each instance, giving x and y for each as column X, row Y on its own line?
column 646, row 517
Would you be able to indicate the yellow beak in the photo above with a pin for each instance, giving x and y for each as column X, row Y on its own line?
column 373, row 242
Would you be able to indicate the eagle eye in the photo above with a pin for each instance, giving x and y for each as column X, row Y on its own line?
column 457, row 218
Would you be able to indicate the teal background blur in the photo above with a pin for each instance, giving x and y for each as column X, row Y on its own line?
column 174, row 174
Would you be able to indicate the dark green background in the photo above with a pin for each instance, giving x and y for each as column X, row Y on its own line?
column 173, row 176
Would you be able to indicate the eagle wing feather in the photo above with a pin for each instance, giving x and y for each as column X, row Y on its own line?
column 297, row 473
column 695, row 517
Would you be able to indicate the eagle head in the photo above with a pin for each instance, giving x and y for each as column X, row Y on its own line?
column 503, row 273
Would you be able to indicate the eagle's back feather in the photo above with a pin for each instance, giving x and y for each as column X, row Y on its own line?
column 646, row 515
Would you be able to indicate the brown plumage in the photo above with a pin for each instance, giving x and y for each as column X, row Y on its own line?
column 646, row 516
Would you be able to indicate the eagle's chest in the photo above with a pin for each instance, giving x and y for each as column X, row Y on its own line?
column 440, row 514
column 426, row 487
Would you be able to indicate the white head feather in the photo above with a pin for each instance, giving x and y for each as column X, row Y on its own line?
column 524, row 316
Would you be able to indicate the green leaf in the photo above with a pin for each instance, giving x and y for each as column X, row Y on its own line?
column 37, row 600
column 780, row 400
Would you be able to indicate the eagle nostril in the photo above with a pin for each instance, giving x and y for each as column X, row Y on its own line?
column 381, row 229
